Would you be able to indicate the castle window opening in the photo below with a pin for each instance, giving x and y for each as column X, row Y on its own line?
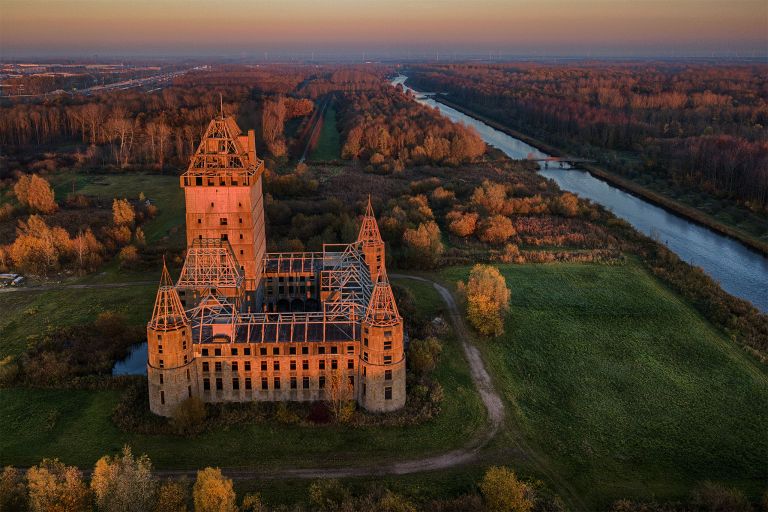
column 218, row 366
column 305, row 382
column 189, row 391
column 161, row 364
column 217, row 351
column 387, row 374
column 276, row 351
column 388, row 345
column 205, row 351
column 206, row 367
column 162, row 397
column 207, row 384
column 263, row 351
column 293, row 383
column 264, row 383
column 263, row 366
column 234, row 351
column 387, row 359
column 334, row 349
column 277, row 382
column 305, row 365
column 247, row 366
column 276, row 366
column 247, row 383
column 292, row 351
column 159, row 349
column 388, row 393
column 350, row 364
column 234, row 366
column 321, row 364
column 219, row 384
column 321, row 382
column 334, row 365
column 247, row 351
column 304, row 350
column 235, row 383
column 293, row 365
column 161, row 378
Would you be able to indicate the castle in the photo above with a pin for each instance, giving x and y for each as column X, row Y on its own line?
column 241, row 324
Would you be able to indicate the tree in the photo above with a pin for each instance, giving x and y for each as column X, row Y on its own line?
column 171, row 497
column 462, row 224
column 423, row 355
column 54, row 487
column 340, row 396
column 503, row 492
column 497, row 230
column 327, row 495
column 253, row 503
column 189, row 414
column 213, row 492
column 490, row 197
column 123, row 213
column 13, row 490
column 423, row 244
column 567, row 205
column 487, row 298
column 129, row 255
column 38, row 248
column 124, row 483
column 35, row 192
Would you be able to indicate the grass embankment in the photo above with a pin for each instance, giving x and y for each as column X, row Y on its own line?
column 690, row 206
column 329, row 142
column 75, row 425
column 622, row 387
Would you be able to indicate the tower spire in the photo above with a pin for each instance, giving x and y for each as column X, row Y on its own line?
column 382, row 310
column 369, row 230
column 168, row 312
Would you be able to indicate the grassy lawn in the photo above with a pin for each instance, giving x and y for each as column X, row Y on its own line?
column 329, row 144
column 30, row 313
column 622, row 387
column 82, row 430
column 163, row 190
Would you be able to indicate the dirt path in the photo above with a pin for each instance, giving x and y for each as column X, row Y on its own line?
column 48, row 287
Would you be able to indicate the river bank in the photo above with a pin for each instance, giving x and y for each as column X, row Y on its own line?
column 624, row 184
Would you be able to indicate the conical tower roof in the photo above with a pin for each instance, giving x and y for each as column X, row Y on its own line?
column 168, row 312
column 382, row 310
column 369, row 230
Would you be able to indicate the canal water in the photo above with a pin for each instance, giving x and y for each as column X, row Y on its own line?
column 134, row 364
column 739, row 270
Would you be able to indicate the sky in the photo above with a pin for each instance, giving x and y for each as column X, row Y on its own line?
column 395, row 28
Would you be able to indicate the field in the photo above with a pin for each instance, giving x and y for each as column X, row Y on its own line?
column 622, row 387
column 76, row 427
column 329, row 143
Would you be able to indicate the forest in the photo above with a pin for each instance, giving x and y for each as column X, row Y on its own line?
column 693, row 124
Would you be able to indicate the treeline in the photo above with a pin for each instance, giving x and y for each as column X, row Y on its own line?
column 390, row 131
column 691, row 124
column 303, row 80
column 127, row 483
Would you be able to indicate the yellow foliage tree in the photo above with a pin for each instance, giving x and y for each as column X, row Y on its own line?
column 503, row 492
column 54, row 487
column 213, row 492
column 487, row 299
column 122, row 212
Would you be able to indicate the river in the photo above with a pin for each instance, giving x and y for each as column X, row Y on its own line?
column 739, row 270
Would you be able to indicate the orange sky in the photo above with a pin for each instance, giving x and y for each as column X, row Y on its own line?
column 536, row 27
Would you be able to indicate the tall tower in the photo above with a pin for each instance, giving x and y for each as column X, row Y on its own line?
column 373, row 245
column 224, row 199
column 170, row 371
column 382, row 355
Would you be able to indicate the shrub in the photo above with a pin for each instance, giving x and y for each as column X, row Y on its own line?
column 172, row 497
column 13, row 490
column 497, row 230
column 54, row 487
column 423, row 355
column 124, row 483
column 503, row 492
column 714, row 497
column 327, row 495
column 188, row 415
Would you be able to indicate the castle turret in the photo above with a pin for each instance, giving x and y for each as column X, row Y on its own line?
column 170, row 371
column 382, row 355
column 373, row 245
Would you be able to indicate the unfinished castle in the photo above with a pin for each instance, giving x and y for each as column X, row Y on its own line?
column 241, row 324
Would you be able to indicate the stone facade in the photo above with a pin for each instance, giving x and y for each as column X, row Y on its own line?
column 241, row 325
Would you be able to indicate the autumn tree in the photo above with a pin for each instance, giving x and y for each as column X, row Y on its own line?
column 129, row 256
column 423, row 355
column 123, row 213
column 88, row 250
column 13, row 490
column 213, row 492
column 124, row 483
column 38, row 248
column 496, row 229
column 487, row 299
column 567, row 205
column 504, row 492
column 253, row 503
column 490, row 197
column 55, row 487
column 171, row 497
column 35, row 192
column 462, row 224
column 423, row 244
column 339, row 393
column 272, row 124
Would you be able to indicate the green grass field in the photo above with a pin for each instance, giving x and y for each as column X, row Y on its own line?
column 329, row 144
column 82, row 430
column 622, row 387
column 26, row 314
column 163, row 190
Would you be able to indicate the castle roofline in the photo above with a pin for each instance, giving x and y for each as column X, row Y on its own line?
column 369, row 229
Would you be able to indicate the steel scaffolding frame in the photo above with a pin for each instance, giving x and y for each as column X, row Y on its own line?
column 210, row 263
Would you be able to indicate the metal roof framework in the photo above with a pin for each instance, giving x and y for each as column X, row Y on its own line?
column 221, row 153
column 210, row 264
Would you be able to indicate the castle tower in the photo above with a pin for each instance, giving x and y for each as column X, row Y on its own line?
column 373, row 245
column 170, row 371
column 382, row 355
column 224, row 200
